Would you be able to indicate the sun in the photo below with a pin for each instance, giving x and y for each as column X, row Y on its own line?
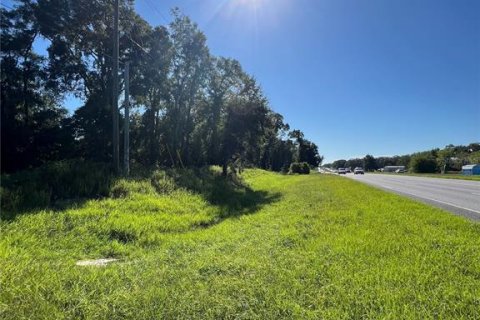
column 255, row 16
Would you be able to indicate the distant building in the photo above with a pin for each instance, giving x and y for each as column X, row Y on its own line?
column 471, row 169
column 393, row 168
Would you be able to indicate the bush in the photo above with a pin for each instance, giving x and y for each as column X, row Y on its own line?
column 125, row 187
column 162, row 183
column 306, row 168
column 423, row 164
column 299, row 167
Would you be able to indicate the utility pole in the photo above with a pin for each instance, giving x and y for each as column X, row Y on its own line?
column 126, row 133
column 115, row 136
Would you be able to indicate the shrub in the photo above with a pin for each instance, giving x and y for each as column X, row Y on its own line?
column 123, row 188
column 306, row 168
column 187, row 178
column 423, row 164
column 162, row 183
column 299, row 167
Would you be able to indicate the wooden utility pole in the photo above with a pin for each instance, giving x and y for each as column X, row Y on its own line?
column 115, row 135
column 126, row 133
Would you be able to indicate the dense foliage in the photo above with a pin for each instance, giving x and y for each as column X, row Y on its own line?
column 423, row 163
column 190, row 107
column 450, row 158
column 299, row 167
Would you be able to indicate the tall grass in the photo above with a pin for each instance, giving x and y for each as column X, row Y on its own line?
column 42, row 187
column 278, row 247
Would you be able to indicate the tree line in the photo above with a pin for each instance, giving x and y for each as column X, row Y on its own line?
column 450, row 158
column 191, row 108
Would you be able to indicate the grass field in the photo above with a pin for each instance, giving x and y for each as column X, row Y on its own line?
column 315, row 246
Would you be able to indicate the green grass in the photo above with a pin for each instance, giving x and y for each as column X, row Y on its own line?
column 310, row 246
column 438, row 175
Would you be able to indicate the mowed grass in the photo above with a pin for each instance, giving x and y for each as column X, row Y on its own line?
column 302, row 247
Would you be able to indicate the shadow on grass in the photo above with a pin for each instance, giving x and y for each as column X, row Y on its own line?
column 65, row 185
column 56, row 185
column 231, row 193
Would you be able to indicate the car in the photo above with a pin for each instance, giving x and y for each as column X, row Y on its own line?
column 348, row 170
column 358, row 170
column 341, row 171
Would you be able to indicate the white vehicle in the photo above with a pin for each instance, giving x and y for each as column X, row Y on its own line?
column 341, row 171
column 358, row 170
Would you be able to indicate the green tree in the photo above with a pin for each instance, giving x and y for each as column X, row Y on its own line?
column 423, row 163
column 31, row 118
column 307, row 150
column 189, row 108
column 80, row 63
column 224, row 82
column 339, row 164
column 353, row 163
column 444, row 158
column 150, row 88
column 369, row 163
column 190, row 64
column 246, row 115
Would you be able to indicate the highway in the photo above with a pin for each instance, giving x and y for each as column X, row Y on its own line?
column 461, row 197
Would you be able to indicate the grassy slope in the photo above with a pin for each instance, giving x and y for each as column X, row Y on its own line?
column 311, row 246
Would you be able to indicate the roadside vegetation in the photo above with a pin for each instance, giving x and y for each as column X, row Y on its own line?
column 447, row 160
column 193, row 244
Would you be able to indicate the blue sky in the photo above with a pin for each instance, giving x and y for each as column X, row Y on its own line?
column 357, row 77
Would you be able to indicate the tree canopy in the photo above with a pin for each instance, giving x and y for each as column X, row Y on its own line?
column 190, row 108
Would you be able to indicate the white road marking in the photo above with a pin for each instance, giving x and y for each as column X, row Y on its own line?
column 443, row 202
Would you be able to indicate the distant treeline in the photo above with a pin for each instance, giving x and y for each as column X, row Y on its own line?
column 190, row 107
column 450, row 158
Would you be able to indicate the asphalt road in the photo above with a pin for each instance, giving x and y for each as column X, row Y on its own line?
column 461, row 197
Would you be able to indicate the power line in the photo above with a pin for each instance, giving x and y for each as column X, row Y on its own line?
column 138, row 45
column 133, row 41
column 154, row 8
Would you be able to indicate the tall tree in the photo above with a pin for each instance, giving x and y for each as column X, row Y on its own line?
column 31, row 125
column 192, row 108
column 80, row 60
column 224, row 80
column 151, row 89
column 307, row 150
column 245, row 119
column 190, row 62
column 369, row 163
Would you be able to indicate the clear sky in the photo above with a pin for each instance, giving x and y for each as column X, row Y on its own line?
column 357, row 77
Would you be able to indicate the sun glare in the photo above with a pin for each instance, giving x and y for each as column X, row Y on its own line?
column 248, row 2
column 250, row 15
